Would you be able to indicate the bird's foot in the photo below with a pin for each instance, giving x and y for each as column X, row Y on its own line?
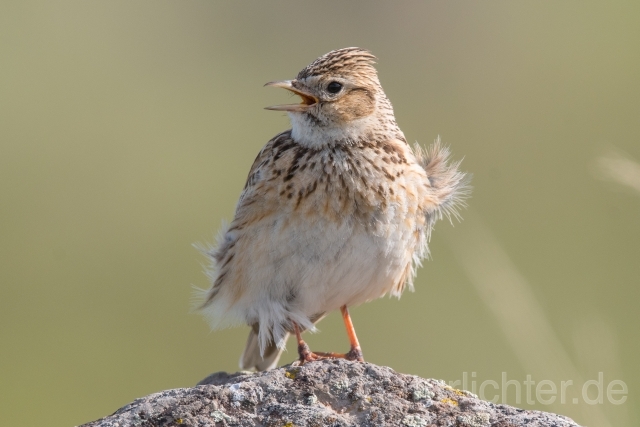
column 306, row 355
column 355, row 355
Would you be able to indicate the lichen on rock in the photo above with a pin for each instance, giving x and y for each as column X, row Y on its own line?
column 324, row 393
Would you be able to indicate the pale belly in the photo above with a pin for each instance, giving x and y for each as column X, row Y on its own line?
column 313, row 268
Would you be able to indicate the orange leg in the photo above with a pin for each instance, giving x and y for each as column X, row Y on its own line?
column 356, row 352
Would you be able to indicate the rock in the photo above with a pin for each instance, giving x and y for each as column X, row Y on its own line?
column 324, row 393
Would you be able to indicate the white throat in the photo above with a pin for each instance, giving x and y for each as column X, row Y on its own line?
column 310, row 134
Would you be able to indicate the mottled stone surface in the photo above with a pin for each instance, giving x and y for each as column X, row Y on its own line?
column 325, row 393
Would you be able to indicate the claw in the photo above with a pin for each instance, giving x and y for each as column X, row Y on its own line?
column 306, row 355
column 355, row 354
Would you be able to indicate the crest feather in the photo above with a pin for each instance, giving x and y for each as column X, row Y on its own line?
column 353, row 59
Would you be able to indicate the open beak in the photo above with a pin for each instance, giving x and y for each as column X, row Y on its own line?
column 307, row 99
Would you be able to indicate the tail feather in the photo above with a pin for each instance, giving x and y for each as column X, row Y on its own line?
column 450, row 187
column 251, row 358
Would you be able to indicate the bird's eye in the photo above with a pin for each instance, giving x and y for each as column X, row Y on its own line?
column 334, row 87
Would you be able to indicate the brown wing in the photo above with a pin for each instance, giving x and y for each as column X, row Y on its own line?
column 258, row 200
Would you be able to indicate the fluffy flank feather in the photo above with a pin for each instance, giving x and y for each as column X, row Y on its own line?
column 219, row 311
column 450, row 187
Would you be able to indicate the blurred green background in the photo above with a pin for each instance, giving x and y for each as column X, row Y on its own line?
column 127, row 130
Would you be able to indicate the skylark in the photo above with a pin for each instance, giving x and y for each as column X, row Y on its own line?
column 336, row 211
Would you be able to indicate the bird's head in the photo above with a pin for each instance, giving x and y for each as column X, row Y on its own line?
column 342, row 99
